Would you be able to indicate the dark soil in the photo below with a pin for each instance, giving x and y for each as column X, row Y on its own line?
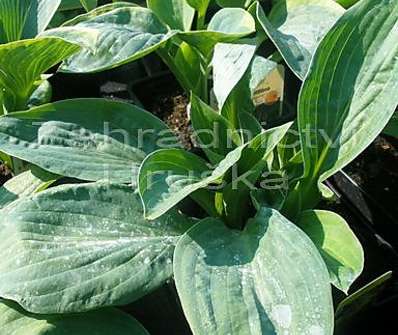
column 173, row 111
column 376, row 172
column 5, row 174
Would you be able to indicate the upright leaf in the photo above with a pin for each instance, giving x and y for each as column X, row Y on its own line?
column 14, row 320
column 188, row 68
column 250, row 89
column 296, row 27
column 337, row 244
column 234, row 3
column 200, row 5
column 170, row 175
column 250, row 166
column 120, row 34
column 89, row 139
column 23, row 62
column 359, row 301
column 347, row 3
column 227, row 25
column 77, row 248
column 230, row 62
column 392, row 127
column 89, row 4
column 267, row 279
column 349, row 96
column 215, row 133
column 177, row 14
column 22, row 19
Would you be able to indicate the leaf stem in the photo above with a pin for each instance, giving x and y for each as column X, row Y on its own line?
column 201, row 21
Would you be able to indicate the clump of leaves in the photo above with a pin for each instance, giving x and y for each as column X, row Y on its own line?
column 263, row 259
column 125, row 32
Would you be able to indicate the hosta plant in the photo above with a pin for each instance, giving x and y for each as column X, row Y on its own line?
column 262, row 259
column 123, row 32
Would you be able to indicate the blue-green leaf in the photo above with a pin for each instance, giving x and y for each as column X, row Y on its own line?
column 177, row 14
column 267, row 279
column 112, row 36
column 296, row 27
column 349, row 96
column 338, row 245
column 75, row 248
column 89, row 139
column 15, row 321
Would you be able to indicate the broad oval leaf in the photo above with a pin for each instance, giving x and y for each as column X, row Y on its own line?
column 349, row 96
column 177, row 14
column 268, row 279
column 118, row 36
column 23, row 62
column 89, row 139
column 337, row 244
column 296, row 27
column 168, row 176
column 227, row 25
column 15, row 321
column 77, row 248
column 22, row 19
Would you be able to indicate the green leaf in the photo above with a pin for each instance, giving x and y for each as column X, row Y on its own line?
column 392, row 127
column 177, row 14
column 215, row 134
column 22, row 19
column 249, row 169
column 230, row 62
column 234, row 3
column 169, row 175
column 227, row 25
column 267, row 279
column 88, row 139
column 347, row 3
column 297, row 26
column 349, row 96
column 199, row 5
column 119, row 35
column 14, row 320
column 67, row 5
column 248, row 125
column 42, row 94
column 77, row 248
column 337, row 244
column 357, row 302
column 18, row 76
column 188, row 68
column 89, row 4
column 242, row 97
column 24, row 185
